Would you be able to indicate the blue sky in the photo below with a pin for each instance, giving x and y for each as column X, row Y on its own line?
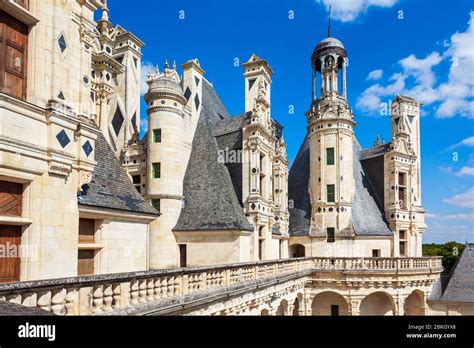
column 420, row 48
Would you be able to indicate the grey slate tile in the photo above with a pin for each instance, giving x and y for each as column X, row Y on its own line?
column 111, row 187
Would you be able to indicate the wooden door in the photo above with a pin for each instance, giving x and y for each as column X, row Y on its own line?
column 13, row 51
column 10, row 241
column 10, row 198
column 86, row 231
column 182, row 255
column 85, row 264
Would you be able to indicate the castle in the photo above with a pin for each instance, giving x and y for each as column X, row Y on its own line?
column 82, row 195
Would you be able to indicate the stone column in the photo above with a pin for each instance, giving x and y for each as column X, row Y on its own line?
column 313, row 96
column 290, row 309
column 354, row 306
column 308, row 310
column 399, row 303
column 344, row 86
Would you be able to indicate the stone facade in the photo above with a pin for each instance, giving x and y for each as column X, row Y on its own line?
column 203, row 191
column 48, row 137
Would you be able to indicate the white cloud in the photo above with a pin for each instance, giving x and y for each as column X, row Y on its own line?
column 145, row 69
column 143, row 125
column 452, row 97
column 441, row 233
column 375, row 75
column 448, row 170
column 468, row 141
column 350, row 10
column 371, row 98
column 451, row 217
column 465, row 142
column 421, row 69
column 463, row 200
column 465, row 171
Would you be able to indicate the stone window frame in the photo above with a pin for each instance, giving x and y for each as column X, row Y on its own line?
column 331, row 196
column 156, row 203
column 330, row 234
column 157, row 135
column 156, row 170
column 330, row 156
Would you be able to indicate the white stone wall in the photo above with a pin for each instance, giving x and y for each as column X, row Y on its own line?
column 49, row 70
column 214, row 247
column 30, row 154
column 51, row 204
column 163, row 245
column 125, row 247
column 358, row 247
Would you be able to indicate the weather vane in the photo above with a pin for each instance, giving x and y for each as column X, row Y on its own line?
column 329, row 21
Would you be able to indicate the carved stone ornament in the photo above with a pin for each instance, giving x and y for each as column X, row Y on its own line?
column 253, row 143
column 59, row 169
column 84, row 178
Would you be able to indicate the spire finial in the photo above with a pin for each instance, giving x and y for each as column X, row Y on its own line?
column 166, row 63
column 174, row 64
column 105, row 11
column 329, row 21
column 377, row 140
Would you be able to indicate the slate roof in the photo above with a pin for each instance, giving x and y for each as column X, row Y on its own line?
column 231, row 125
column 211, row 202
column 460, row 286
column 298, row 194
column 406, row 98
column 110, row 186
column 375, row 151
column 367, row 213
column 213, row 102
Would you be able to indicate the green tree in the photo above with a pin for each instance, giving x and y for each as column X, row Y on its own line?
column 450, row 252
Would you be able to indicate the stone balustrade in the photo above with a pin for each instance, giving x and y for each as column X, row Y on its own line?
column 379, row 264
column 100, row 294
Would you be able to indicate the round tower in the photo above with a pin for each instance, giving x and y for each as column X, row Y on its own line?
column 330, row 133
column 165, row 164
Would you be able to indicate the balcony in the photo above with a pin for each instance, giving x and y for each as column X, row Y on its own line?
column 379, row 264
column 170, row 291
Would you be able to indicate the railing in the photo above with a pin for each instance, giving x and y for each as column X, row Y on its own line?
column 406, row 264
column 103, row 293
